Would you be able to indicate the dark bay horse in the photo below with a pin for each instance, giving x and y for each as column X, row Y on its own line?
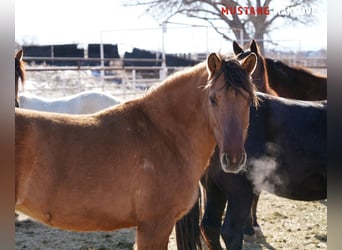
column 260, row 74
column 295, row 82
column 136, row 164
column 286, row 148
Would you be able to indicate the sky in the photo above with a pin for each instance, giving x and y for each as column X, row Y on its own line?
column 46, row 22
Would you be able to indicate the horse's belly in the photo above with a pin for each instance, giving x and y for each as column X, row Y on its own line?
column 81, row 215
column 299, row 187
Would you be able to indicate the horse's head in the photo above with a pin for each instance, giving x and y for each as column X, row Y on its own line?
column 230, row 95
column 259, row 76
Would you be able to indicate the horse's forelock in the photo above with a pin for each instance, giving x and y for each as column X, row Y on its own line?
column 237, row 77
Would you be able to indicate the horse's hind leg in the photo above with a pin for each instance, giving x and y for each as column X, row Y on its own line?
column 256, row 225
column 154, row 235
column 253, row 229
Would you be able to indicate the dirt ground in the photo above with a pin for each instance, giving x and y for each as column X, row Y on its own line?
column 286, row 224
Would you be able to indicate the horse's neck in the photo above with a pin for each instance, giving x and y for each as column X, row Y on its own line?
column 179, row 109
column 16, row 87
column 178, row 101
column 262, row 81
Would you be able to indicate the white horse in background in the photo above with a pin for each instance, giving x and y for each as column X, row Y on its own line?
column 86, row 102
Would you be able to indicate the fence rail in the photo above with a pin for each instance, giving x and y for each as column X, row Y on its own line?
column 123, row 81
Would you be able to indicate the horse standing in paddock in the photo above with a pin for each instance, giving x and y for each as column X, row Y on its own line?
column 286, row 148
column 86, row 102
column 219, row 191
column 289, row 82
column 19, row 73
column 82, row 103
column 136, row 164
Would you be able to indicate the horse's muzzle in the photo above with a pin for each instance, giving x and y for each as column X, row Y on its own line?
column 232, row 164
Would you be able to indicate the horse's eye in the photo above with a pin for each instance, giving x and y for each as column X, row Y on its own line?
column 213, row 100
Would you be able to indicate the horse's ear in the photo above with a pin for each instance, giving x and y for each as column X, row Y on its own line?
column 19, row 55
column 254, row 47
column 249, row 63
column 237, row 49
column 214, row 64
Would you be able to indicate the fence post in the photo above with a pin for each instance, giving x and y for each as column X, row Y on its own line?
column 124, row 76
column 79, row 76
column 134, row 80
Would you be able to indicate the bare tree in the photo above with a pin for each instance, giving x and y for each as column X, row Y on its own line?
column 246, row 19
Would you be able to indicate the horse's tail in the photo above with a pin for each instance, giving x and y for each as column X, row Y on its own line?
column 188, row 234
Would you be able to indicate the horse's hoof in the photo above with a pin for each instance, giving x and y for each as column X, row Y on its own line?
column 258, row 232
column 249, row 238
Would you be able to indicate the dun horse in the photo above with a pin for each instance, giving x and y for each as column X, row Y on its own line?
column 238, row 189
column 19, row 73
column 286, row 147
column 136, row 164
column 223, row 187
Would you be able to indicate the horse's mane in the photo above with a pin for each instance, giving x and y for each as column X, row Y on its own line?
column 261, row 81
column 238, row 79
column 293, row 69
column 170, row 80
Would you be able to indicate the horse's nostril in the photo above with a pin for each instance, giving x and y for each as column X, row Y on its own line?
column 224, row 160
column 243, row 160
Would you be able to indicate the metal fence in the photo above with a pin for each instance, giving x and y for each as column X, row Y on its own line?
column 125, row 82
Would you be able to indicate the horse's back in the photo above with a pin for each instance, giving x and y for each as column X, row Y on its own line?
column 298, row 126
column 82, row 103
column 290, row 137
column 91, row 102
column 295, row 82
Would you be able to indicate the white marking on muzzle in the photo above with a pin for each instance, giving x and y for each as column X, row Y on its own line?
column 229, row 167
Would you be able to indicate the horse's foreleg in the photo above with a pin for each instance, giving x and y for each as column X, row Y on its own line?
column 237, row 214
column 154, row 235
column 212, row 218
